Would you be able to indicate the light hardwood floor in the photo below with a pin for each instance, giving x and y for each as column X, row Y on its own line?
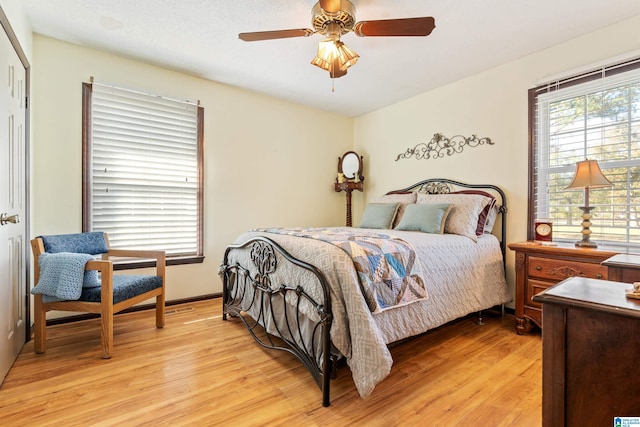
column 200, row 370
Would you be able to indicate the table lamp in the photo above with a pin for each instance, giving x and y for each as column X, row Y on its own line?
column 588, row 175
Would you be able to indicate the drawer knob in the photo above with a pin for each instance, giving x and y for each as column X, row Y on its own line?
column 538, row 268
column 598, row 276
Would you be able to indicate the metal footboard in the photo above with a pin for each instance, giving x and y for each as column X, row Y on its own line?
column 257, row 293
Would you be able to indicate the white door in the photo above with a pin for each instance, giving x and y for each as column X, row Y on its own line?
column 13, row 240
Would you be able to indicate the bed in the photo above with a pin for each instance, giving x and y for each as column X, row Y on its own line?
column 304, row 291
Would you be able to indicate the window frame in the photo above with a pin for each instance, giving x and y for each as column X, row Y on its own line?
column 533, row 93
column 87, row 91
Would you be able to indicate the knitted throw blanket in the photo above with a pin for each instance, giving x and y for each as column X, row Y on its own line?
column 62, row 276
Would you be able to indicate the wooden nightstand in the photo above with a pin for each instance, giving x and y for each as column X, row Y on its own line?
column 539, row 267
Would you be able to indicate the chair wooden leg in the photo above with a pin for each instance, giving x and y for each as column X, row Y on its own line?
column 107, row 330
column 160, row 311
column 39, row 325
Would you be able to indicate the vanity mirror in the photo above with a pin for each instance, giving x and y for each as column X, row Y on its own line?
column 350, row 166
column 349, row 177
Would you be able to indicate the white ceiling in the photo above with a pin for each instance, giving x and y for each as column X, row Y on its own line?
column 200, row 37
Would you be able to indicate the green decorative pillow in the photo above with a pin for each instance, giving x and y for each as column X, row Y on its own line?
column 403, row 199
column 378, row 215
column 428, row 218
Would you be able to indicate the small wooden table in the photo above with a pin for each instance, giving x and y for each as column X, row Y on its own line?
column 623, row 268
column 590, row 348
column 348, row 187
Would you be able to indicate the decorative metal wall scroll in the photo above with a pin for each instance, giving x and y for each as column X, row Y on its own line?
column 440, row 145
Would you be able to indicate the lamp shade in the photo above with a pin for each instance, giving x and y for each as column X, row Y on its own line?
column 588, row 175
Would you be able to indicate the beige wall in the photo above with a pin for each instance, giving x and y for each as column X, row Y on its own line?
column 21, row 27
column 490, row 104
column 266, row 163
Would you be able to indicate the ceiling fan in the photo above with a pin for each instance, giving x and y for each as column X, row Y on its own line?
column 334, row 18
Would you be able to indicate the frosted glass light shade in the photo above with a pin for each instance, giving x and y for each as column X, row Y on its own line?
column 334, row 57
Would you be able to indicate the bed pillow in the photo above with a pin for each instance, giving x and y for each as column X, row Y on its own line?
column 465, row 211
column 378, row 215
column 491, row 218
column 402, row 198
column 428, row 218
column 484, row 215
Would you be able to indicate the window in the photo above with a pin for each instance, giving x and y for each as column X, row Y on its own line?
column 592, row 116
column 142, row 169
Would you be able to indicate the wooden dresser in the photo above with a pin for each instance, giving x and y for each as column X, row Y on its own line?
column 590, row 347
column 539, row 266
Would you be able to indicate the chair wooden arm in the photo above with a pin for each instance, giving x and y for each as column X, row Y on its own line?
column 135, row 253
column 105, row 268
column 159, row 256
column 99, row 265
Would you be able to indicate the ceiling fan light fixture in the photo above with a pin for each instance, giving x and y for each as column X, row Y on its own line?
column 337, row 72
column 334, row 57
column 328, row 58
column 347, row 56
column 327, row 52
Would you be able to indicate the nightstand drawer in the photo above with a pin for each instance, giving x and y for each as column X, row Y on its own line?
column 559, row 269
column 534, row 287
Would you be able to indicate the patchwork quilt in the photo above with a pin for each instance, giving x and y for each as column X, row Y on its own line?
column 386, row 265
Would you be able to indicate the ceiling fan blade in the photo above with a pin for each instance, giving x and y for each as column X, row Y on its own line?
column 395, row 27
column 277, row 34
column 330, row 6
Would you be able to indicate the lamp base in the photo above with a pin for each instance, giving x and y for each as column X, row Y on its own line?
column 586, row 231
column 586, row 244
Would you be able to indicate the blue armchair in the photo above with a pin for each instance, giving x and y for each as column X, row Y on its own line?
column 111, row 294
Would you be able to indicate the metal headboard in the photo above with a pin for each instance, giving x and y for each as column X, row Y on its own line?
column 444, row 186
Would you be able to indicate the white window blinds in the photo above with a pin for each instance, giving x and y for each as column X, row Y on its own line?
column 144, row 177
column 598, row 119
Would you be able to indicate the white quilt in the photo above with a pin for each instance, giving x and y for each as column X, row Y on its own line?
column 461, row 276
